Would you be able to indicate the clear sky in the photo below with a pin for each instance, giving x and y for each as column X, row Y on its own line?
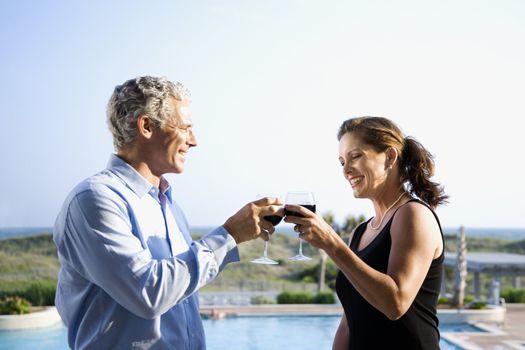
column 271, row 82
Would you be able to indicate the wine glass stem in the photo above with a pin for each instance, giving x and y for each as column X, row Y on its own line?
column 300, row 246
column 265, row 253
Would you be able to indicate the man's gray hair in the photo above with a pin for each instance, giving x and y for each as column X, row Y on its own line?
column 141, row 96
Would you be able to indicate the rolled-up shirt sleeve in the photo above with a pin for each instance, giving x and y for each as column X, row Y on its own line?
column 99, row 242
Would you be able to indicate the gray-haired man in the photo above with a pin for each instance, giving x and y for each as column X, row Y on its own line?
column 129, row 268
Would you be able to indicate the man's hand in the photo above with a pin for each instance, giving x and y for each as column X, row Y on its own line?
column 249, row 223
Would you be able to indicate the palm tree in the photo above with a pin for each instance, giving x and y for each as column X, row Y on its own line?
column 322, row 270
column 460, row 275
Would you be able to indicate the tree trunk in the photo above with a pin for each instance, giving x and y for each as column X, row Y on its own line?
column 322, row 270
column 460, row 276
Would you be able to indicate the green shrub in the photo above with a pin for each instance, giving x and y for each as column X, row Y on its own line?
column 14, row 306
column 324, row 298
column 295, row 298
column 513, row 295
column 261, row 299
column 308, row 279
column 41, row 293
column 468, row 299
column 305, row 298
column 443, row 301
column 476, row 305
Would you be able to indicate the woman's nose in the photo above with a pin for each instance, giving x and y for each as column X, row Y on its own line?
column 347, row 170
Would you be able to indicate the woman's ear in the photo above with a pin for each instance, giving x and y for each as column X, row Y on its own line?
column 391, row 157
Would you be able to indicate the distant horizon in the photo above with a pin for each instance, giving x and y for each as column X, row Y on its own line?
column 446, row 229
column 512, row 234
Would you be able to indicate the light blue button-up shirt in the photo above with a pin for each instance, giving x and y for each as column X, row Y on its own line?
column 129, row 270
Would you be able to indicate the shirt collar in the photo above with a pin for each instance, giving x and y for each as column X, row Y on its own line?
column 165, row 188
column 136, row 182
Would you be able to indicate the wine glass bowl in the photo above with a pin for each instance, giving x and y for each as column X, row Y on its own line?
column 275, row 220
column 310, row 207
column 306, row 200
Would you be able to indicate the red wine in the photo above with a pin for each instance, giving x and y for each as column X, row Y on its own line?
column 310, row 207
column 274, row 219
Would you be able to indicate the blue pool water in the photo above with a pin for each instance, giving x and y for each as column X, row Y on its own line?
column 243, row 333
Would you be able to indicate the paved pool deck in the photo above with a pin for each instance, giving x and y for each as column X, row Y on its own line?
column 221, row 311
column 509, row 336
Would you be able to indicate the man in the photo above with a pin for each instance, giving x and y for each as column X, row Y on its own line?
column 129, row 270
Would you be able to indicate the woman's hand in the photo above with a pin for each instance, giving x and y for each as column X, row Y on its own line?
column 312, row 228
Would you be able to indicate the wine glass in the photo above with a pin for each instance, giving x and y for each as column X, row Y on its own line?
column 304, row 199
column 275, row 220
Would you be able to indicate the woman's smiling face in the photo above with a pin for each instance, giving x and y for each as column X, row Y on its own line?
column 363, row 166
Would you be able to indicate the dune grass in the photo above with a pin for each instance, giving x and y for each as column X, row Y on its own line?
column 29, row 266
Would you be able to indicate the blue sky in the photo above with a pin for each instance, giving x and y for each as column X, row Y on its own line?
column 271, row 82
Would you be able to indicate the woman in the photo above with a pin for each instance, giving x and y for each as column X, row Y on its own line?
column 390, row 274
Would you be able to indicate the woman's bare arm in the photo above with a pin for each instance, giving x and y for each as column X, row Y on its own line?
column 342, row 335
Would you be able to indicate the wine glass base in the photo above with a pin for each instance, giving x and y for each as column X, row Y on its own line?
column 264, row 260
column 300, row 257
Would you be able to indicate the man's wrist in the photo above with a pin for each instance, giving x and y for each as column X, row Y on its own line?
column 232, row 233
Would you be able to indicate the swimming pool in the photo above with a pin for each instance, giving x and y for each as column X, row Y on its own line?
column 243, row 333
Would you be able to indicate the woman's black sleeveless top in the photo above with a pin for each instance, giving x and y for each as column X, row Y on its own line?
column 369, row 328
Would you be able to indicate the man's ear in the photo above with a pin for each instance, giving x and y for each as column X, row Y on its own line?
column 144, row 126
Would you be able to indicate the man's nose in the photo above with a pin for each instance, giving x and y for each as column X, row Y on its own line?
column 192, row 140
